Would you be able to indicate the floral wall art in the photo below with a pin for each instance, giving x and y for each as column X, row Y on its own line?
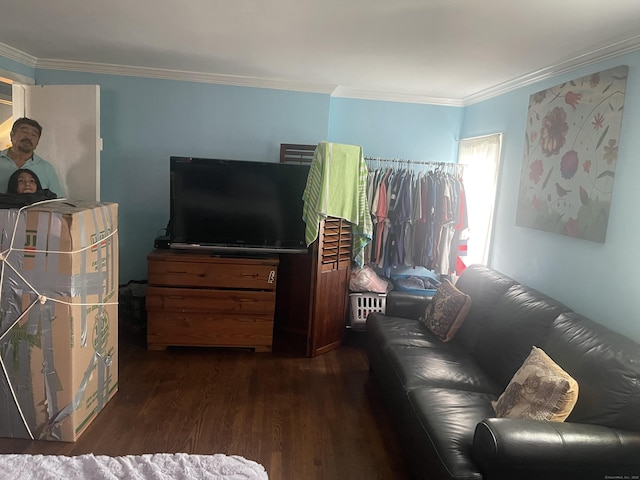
column 571, row 148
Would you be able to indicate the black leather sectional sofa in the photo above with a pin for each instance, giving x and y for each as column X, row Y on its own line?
column 440, row 394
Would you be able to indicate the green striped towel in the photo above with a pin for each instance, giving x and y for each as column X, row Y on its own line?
column 336, row 187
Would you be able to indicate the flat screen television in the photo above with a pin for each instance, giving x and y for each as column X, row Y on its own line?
column 236, row 206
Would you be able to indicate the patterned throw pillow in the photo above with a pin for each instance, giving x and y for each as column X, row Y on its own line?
column 447, row 311
column 539, row 390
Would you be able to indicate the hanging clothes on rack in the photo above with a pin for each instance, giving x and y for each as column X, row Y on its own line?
column 379, row 211
column 417, row 216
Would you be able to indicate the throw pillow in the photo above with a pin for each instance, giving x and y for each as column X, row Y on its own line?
column 539, row 390
column 447, row 311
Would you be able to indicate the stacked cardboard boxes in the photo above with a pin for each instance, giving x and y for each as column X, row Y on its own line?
column 58, row 317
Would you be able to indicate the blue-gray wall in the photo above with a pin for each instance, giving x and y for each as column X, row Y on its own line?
column 397, row 130
column 144, row 121
column 16, row 67
column 598, row 280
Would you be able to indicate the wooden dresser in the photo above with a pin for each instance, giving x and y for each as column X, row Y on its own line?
column 199, row 299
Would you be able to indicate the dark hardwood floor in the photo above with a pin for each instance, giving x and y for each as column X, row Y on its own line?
column 301, row 418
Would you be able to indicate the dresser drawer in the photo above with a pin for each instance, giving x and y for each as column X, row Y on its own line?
column 213, row 275
column 204, row 329
column 214, row 301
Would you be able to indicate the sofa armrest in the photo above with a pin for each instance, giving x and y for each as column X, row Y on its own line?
column 406, row 304
column 530, row 449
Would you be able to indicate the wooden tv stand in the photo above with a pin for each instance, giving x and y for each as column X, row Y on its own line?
column 200, row 299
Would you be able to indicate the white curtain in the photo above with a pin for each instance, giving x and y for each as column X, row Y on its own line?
column 481, row 158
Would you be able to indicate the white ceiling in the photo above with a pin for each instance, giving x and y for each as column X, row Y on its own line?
column 434, row 51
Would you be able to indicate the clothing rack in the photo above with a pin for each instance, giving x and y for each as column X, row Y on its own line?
column 417, row 218
column 458, row 167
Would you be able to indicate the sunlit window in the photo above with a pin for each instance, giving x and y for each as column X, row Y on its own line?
column 481, row 157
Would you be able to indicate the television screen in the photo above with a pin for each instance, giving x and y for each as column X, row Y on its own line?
column 236, row 205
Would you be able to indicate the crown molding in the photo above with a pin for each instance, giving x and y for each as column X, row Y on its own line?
column 344, row 92
column 17, row 55
column 164, row 74
column 584, row 60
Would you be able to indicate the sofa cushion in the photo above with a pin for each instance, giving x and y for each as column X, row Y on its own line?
column 385, row 330
column 539, row 390
column 605, row 364
column 406, row 304
column 446, row 419
column 446, row 366
column 446, row 312
column 485, row 287
column 519, row 321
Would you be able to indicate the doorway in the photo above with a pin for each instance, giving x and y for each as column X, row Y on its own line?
column 7, row 81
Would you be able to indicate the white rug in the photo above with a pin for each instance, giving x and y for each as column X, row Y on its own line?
column 160, row 466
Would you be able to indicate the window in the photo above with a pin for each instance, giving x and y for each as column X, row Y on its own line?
column 481, row 158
